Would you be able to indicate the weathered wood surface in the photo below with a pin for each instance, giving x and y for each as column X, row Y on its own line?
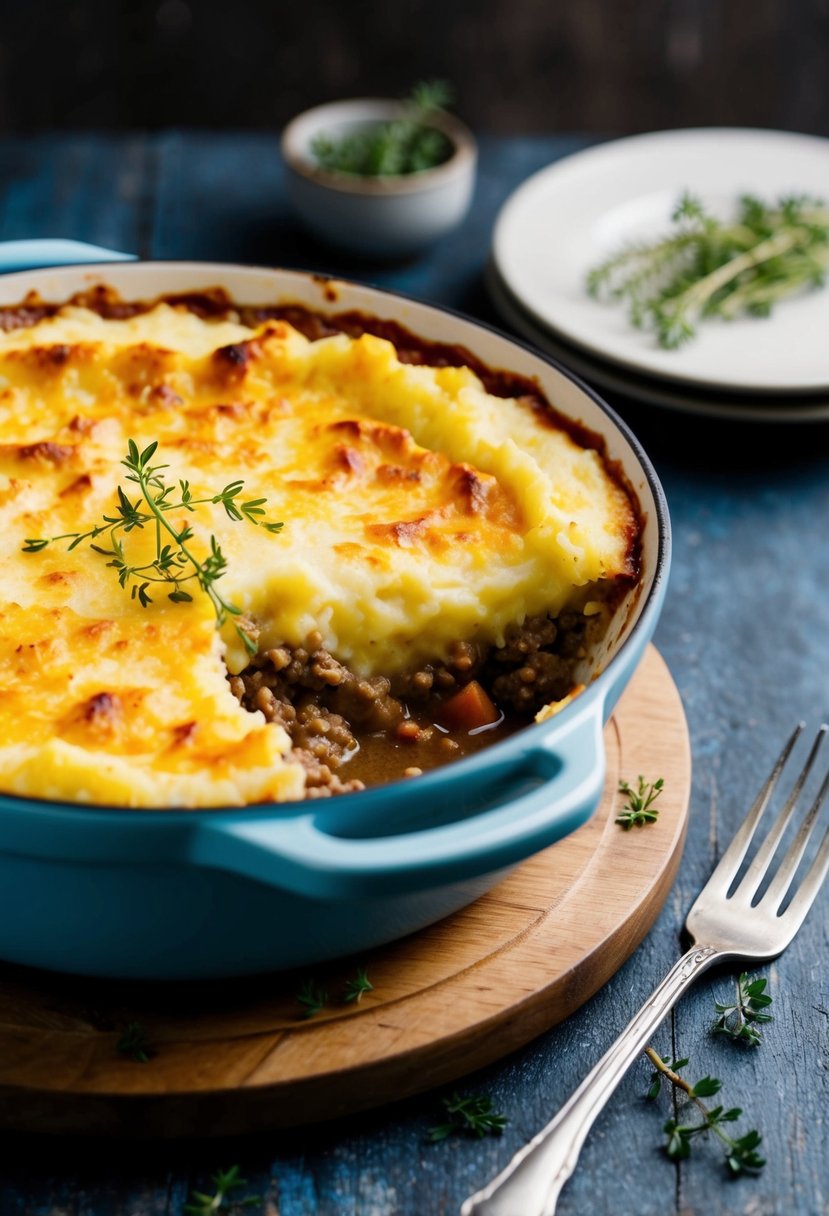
column 745, row 632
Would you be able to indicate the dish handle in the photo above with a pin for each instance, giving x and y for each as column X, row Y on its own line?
column 31, row 255
column 504, row 811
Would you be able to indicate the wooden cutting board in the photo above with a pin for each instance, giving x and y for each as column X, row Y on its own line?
column 239, row 1056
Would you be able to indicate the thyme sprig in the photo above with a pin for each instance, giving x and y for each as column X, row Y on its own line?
column 706, row 267
column 741, row 1154
column 356, row 987
column 471, row 1115
column 134, row 1043
column 313, row 997
column 639, row 808
column 225, row 1181
column 175, row 564
column 740, row 1021
column 390, row 149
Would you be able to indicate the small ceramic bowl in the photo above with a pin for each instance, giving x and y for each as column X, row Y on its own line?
column 376, row 216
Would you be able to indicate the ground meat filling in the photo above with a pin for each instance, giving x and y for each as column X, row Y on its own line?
column 535, row 666
column 330, row 713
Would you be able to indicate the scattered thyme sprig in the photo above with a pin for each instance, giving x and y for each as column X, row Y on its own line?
column 740, row 1021
column 707, row 268
column 134, row 1043
column 390, row 149
column 174, row 564
column 314, row 998
column 225, row 1181
column 356, row 987
column 472, row 1115
column 639, row 808
column 741, row 1154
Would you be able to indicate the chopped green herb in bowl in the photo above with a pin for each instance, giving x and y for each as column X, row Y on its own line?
column 380, row 177
column 394, row 147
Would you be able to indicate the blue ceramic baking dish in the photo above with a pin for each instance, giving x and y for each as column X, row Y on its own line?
column 196, row 894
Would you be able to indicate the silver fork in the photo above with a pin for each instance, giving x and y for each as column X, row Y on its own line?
column 722, row 925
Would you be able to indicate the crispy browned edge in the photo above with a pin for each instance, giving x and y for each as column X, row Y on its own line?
column 215, row 304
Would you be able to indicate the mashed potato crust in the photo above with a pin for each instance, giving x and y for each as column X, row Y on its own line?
column 418, row 510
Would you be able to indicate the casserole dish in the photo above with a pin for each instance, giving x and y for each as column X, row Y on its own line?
column 177, row 894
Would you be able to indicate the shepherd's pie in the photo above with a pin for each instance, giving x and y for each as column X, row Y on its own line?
column 435, row 536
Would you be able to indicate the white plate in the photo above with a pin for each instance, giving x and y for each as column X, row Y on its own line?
column 572, row 215
column 651, row 391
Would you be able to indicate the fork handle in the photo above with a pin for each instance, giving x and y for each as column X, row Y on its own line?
column 531, row 1183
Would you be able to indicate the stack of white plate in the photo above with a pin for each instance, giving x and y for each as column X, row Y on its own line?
column 571, row 216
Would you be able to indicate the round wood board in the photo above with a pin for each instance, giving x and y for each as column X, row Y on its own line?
column 239, row 1057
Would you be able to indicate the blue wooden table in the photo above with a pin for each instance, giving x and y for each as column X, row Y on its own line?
column 745, row 632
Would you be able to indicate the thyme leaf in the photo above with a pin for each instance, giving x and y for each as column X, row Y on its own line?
column 741, row 1154
column 391, row 149
column 134, row 1043
column 356, row 987
column 639, row 808
column 312, row 998
column 740, row 1021
column 706, row 267
column 225, row 1181
column 471, row 1115
column 174, row 563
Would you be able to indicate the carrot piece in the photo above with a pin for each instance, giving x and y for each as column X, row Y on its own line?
column 469, row 709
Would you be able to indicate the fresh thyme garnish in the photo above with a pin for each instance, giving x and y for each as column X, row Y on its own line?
column 174, row 564
column 389, row 149
column 740, row 1154
column 471, row 1115
column 711, row 268
column 135, row 1043
column 312, row 997
column 224, row 1181
column 355, row 987
column 639, row 808
column 740, row 1021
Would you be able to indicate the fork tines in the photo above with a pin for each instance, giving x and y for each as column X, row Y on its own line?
column 775, row 894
